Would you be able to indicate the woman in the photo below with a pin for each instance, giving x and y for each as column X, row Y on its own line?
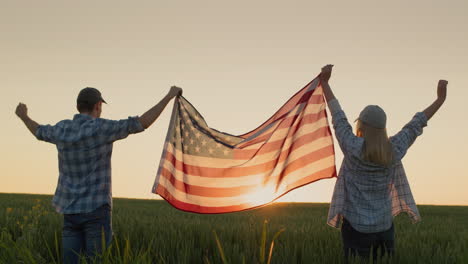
column 372, row 187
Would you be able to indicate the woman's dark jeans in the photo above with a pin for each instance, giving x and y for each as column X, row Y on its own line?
column 364, row 244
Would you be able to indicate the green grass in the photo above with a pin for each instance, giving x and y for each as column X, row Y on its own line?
column 148, row 231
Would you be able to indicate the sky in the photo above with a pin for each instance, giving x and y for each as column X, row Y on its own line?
column 238, row 62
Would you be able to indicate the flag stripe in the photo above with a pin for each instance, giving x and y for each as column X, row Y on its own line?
column 286, row 123
column 189, row 207
column 310, row 88
column 187, row 181
column 317, row 130
column 312, row 174
column 203, row 190
column 258, row 165
column 243, row 198
column 251, row 179
column 301, row 146
column 316, row 103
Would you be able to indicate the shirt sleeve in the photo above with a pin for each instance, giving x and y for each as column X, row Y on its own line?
column 46, row 133
column 408, row 134
column 343, row 130
column 119, row 129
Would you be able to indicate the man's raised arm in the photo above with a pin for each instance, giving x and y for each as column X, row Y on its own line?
column 148, row 118
column 22, row 113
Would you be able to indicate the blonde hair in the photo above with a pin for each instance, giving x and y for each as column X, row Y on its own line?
column 377, row 147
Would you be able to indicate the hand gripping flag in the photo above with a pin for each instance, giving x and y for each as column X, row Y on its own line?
column 204, row 170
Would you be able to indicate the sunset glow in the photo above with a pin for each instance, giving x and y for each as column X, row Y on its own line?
column 237, row 63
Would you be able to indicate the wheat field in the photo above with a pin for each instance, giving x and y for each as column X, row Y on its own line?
column 151, row 231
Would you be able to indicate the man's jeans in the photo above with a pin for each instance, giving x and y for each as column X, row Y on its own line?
column 83, row 233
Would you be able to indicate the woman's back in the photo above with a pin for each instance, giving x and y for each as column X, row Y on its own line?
column 367, row 194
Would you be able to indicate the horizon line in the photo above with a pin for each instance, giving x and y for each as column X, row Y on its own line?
column 161, row 199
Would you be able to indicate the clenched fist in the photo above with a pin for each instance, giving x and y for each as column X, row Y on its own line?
column 442, row 90
column 326, row 73
column 21, row 110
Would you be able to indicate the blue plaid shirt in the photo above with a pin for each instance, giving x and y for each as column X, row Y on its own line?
column 367, row 194
column 84, row 147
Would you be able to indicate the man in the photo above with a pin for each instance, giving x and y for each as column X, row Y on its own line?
column 84, row 146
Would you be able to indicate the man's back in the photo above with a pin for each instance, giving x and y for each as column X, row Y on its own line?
column 84, row 147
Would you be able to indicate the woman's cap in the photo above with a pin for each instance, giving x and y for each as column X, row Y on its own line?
column 89, row 95
column 373, row 116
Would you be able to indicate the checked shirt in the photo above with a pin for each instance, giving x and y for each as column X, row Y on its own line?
column 84, row 147
column 366, row 194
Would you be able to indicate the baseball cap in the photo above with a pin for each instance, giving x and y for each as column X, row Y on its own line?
column 90, row 95
column 373, row 116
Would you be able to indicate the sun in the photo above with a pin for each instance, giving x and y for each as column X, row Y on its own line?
column 262, row 195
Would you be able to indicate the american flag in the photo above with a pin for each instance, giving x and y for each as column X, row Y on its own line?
column 204, row 170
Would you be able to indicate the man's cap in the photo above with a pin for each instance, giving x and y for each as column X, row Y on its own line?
column 373, row 116
column 89, row 95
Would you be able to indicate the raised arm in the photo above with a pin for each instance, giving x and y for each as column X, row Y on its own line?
column 441, row 95
column 148, row 118
column 22, row 113
column 343, row 130
column 324, row 77
column 408, row 134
